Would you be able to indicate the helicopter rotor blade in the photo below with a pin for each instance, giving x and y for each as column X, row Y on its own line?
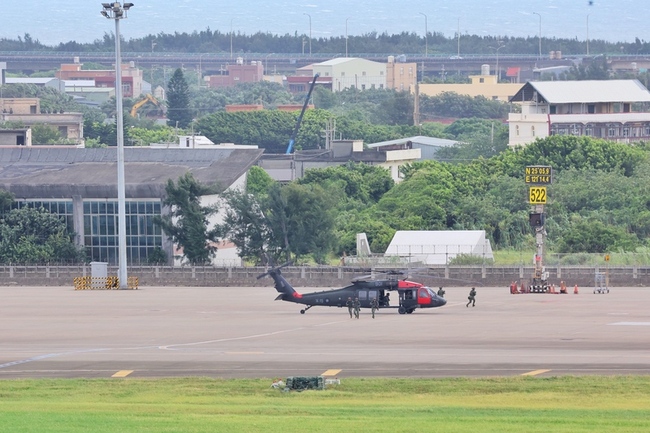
column 274, row 269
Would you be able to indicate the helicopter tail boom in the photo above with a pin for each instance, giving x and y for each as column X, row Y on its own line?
column 287, row 292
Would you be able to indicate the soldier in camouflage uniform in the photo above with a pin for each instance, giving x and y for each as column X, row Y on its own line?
column 350, row 306
column 374, row 305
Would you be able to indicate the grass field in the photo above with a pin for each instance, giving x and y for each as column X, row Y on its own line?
column 566, row 404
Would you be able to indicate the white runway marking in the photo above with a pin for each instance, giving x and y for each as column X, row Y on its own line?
column 631, row 323
column 245, row 337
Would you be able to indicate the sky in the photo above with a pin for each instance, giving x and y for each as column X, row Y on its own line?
column 54, row 22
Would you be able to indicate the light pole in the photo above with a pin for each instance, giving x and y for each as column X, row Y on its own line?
column 309, row 32
column 588, row 34
column 115, row 11
column 200, row 77
column 499, row 46
column 231, row 38
column 426, row 35
column 266, row 59
column 346, row 37
column 540, row 34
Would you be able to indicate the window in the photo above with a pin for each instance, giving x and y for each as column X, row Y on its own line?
column 401, row 71
column 589, row 131
column 342, row 73
column 532, row 131
column 626, row 132
column 363, row 74
column 481, row 80
column 646, row 131
column 611, row 132
column 591, row 108
column 553, row 109
column 517, row 130
column 101, row 229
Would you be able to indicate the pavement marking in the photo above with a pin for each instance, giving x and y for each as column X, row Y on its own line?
column 535, row 372
column 122, row 373
column 631, row 323
column 331, row 373
column 244, row 353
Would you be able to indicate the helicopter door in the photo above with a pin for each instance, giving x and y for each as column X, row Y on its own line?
column 424, row 296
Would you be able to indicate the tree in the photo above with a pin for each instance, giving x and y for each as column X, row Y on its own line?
column 29, row 235
column 246, row 226
column 187, row 223
column 178, row 101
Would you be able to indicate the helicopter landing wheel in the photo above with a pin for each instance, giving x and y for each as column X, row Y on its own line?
column 302, row 311
column 401, row 310
column 410, row 311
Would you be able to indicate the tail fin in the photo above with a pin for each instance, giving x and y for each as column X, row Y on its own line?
column 287, row 292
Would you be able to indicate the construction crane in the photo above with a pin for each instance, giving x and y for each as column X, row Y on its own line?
column 292, row 140
column 147, row 98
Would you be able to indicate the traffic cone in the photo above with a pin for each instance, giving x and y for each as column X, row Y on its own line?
column 575, row 290
column 552, row 288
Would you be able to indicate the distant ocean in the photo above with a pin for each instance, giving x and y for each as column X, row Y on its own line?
column 52, row 22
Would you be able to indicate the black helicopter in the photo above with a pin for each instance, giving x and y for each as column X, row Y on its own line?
column 411, row 295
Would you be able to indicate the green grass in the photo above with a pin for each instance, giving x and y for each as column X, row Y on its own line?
column 566, row 404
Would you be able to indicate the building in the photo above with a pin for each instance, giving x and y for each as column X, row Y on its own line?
column 20, row 105
column 286, row 168
column 352, row 73
column 81, row 186
column 240, row 72
column 481, row 85
column 438, row 247
column 131, row 77
column 600, row 109
column 428, row 146
column 69, row 125
column 52, row 82
column 401, row 76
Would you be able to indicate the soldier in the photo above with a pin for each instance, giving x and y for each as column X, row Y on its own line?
column 472, row 297
column 357, row 307
column 441, row 292
column 350, row 305
column 374, row 304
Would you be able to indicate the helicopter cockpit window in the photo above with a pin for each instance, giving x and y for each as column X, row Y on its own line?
column 424, row 292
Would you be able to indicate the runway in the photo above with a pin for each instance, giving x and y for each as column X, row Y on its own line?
column 56, row 332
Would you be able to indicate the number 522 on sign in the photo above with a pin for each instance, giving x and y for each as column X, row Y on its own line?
column 537, row 195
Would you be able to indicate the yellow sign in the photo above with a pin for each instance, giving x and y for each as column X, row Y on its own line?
column 537, row 195
column 539, row 174
column 607, row 258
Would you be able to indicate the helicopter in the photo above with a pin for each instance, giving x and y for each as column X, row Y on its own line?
column 411, row 295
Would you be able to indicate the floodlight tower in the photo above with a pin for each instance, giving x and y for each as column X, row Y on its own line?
column 116, row 11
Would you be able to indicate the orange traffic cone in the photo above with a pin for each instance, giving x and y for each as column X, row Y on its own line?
column 552, row 288
column 575, row 290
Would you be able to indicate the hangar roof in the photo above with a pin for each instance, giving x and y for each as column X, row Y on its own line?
column 50, row 172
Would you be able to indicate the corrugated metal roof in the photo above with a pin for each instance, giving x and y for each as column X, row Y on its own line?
column 590, row 91
column 30, row 172
column 418, row 139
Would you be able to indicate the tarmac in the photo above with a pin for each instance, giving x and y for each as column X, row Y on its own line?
column 57, row 332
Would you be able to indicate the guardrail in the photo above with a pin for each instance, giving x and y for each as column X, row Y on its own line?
column 324, row 276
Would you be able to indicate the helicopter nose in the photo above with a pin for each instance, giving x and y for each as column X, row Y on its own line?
column 441, row 301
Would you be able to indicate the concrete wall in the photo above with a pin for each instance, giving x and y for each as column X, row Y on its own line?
column 448, row 276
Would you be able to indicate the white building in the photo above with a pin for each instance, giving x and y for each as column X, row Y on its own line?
column 438, row 247
column 351, row 72
column 600, row 109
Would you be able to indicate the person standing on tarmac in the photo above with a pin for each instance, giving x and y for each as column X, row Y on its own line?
column 350, row 305
column 357, row 307
column 441, row 292
column 374, row 304
column 471, row 298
